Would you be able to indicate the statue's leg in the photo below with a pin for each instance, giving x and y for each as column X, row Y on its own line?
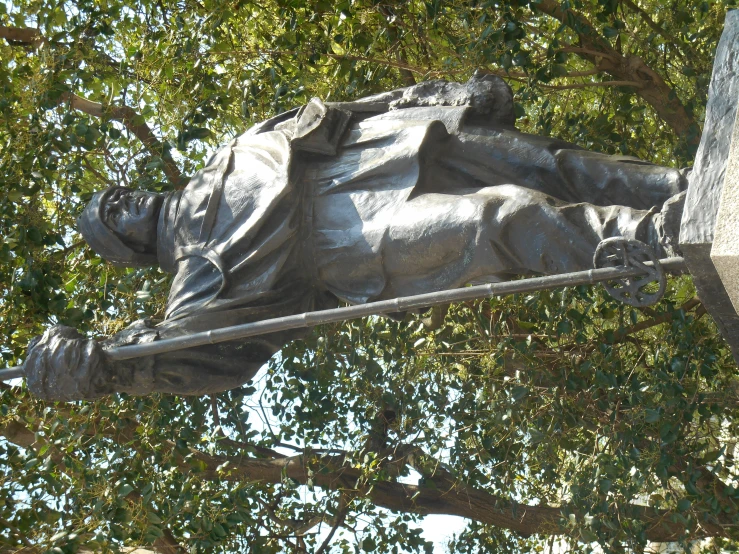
column 439, row 241
column 480, row 157
column 397, row 213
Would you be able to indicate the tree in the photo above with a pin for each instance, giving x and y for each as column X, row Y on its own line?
column 559, row 415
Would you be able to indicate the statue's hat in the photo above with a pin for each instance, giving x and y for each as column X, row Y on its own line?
column 103, row 240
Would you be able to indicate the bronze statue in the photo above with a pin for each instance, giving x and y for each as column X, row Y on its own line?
column 410, row 191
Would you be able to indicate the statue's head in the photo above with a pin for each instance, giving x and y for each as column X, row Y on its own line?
column 120, row 224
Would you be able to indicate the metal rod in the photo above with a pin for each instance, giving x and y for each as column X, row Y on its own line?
column 11, row 373
column 310, row 319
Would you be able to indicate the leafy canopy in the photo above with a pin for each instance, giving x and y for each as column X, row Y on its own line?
column 562, row 414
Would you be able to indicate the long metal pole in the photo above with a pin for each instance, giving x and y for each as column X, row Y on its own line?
column 310, row 319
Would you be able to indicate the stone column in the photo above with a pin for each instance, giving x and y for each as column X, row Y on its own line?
column 706, row 184
column 725, row 249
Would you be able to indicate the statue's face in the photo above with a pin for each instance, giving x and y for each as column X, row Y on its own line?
column 133, row 216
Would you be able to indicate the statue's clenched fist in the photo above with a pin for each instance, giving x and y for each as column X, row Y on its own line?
column 64, row 365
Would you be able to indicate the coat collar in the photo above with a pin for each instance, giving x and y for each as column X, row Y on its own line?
column 165, row 231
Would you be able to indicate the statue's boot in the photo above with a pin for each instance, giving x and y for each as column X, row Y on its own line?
column 666, row 225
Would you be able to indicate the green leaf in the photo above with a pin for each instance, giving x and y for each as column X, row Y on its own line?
column 220, row 531
column 30, row 464
column 586, row 535
column 712, row 455
column 519, row 393
column 652, row 416
column 605, row 485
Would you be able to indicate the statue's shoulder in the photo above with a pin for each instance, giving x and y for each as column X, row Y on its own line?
column 488, row 97
column 317, row 127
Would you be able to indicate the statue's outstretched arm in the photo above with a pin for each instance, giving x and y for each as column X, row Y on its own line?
column 64, row 365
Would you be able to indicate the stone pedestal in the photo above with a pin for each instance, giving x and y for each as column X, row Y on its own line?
column 725, row 250
column 706, row 185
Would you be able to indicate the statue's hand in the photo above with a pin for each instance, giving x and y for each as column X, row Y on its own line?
column 64, row 365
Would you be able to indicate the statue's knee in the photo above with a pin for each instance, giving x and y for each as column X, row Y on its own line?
column 510, row 201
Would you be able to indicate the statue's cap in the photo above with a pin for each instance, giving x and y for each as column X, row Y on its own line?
column 103, row 240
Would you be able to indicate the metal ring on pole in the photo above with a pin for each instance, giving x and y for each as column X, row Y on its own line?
column 640, row 291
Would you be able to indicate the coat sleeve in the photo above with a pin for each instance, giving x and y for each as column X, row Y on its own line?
column 64, row 365
column 193, row 371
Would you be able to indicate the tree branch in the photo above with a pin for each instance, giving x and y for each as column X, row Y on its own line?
column 444, row 493
column 657, row 28
column 625, row 334
column 586, row 53
column 587, row 73
column 21, row 36
column 447, row 497
column 708, row 482
column 15, row 531
column 634, row 84
column 135, row 124
column 341, row 511
column 19, row 434
column 653, row 88
column 223, row 439
column 390, row 63
column 405, row 74
column 620, row 335
column 167, row 544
